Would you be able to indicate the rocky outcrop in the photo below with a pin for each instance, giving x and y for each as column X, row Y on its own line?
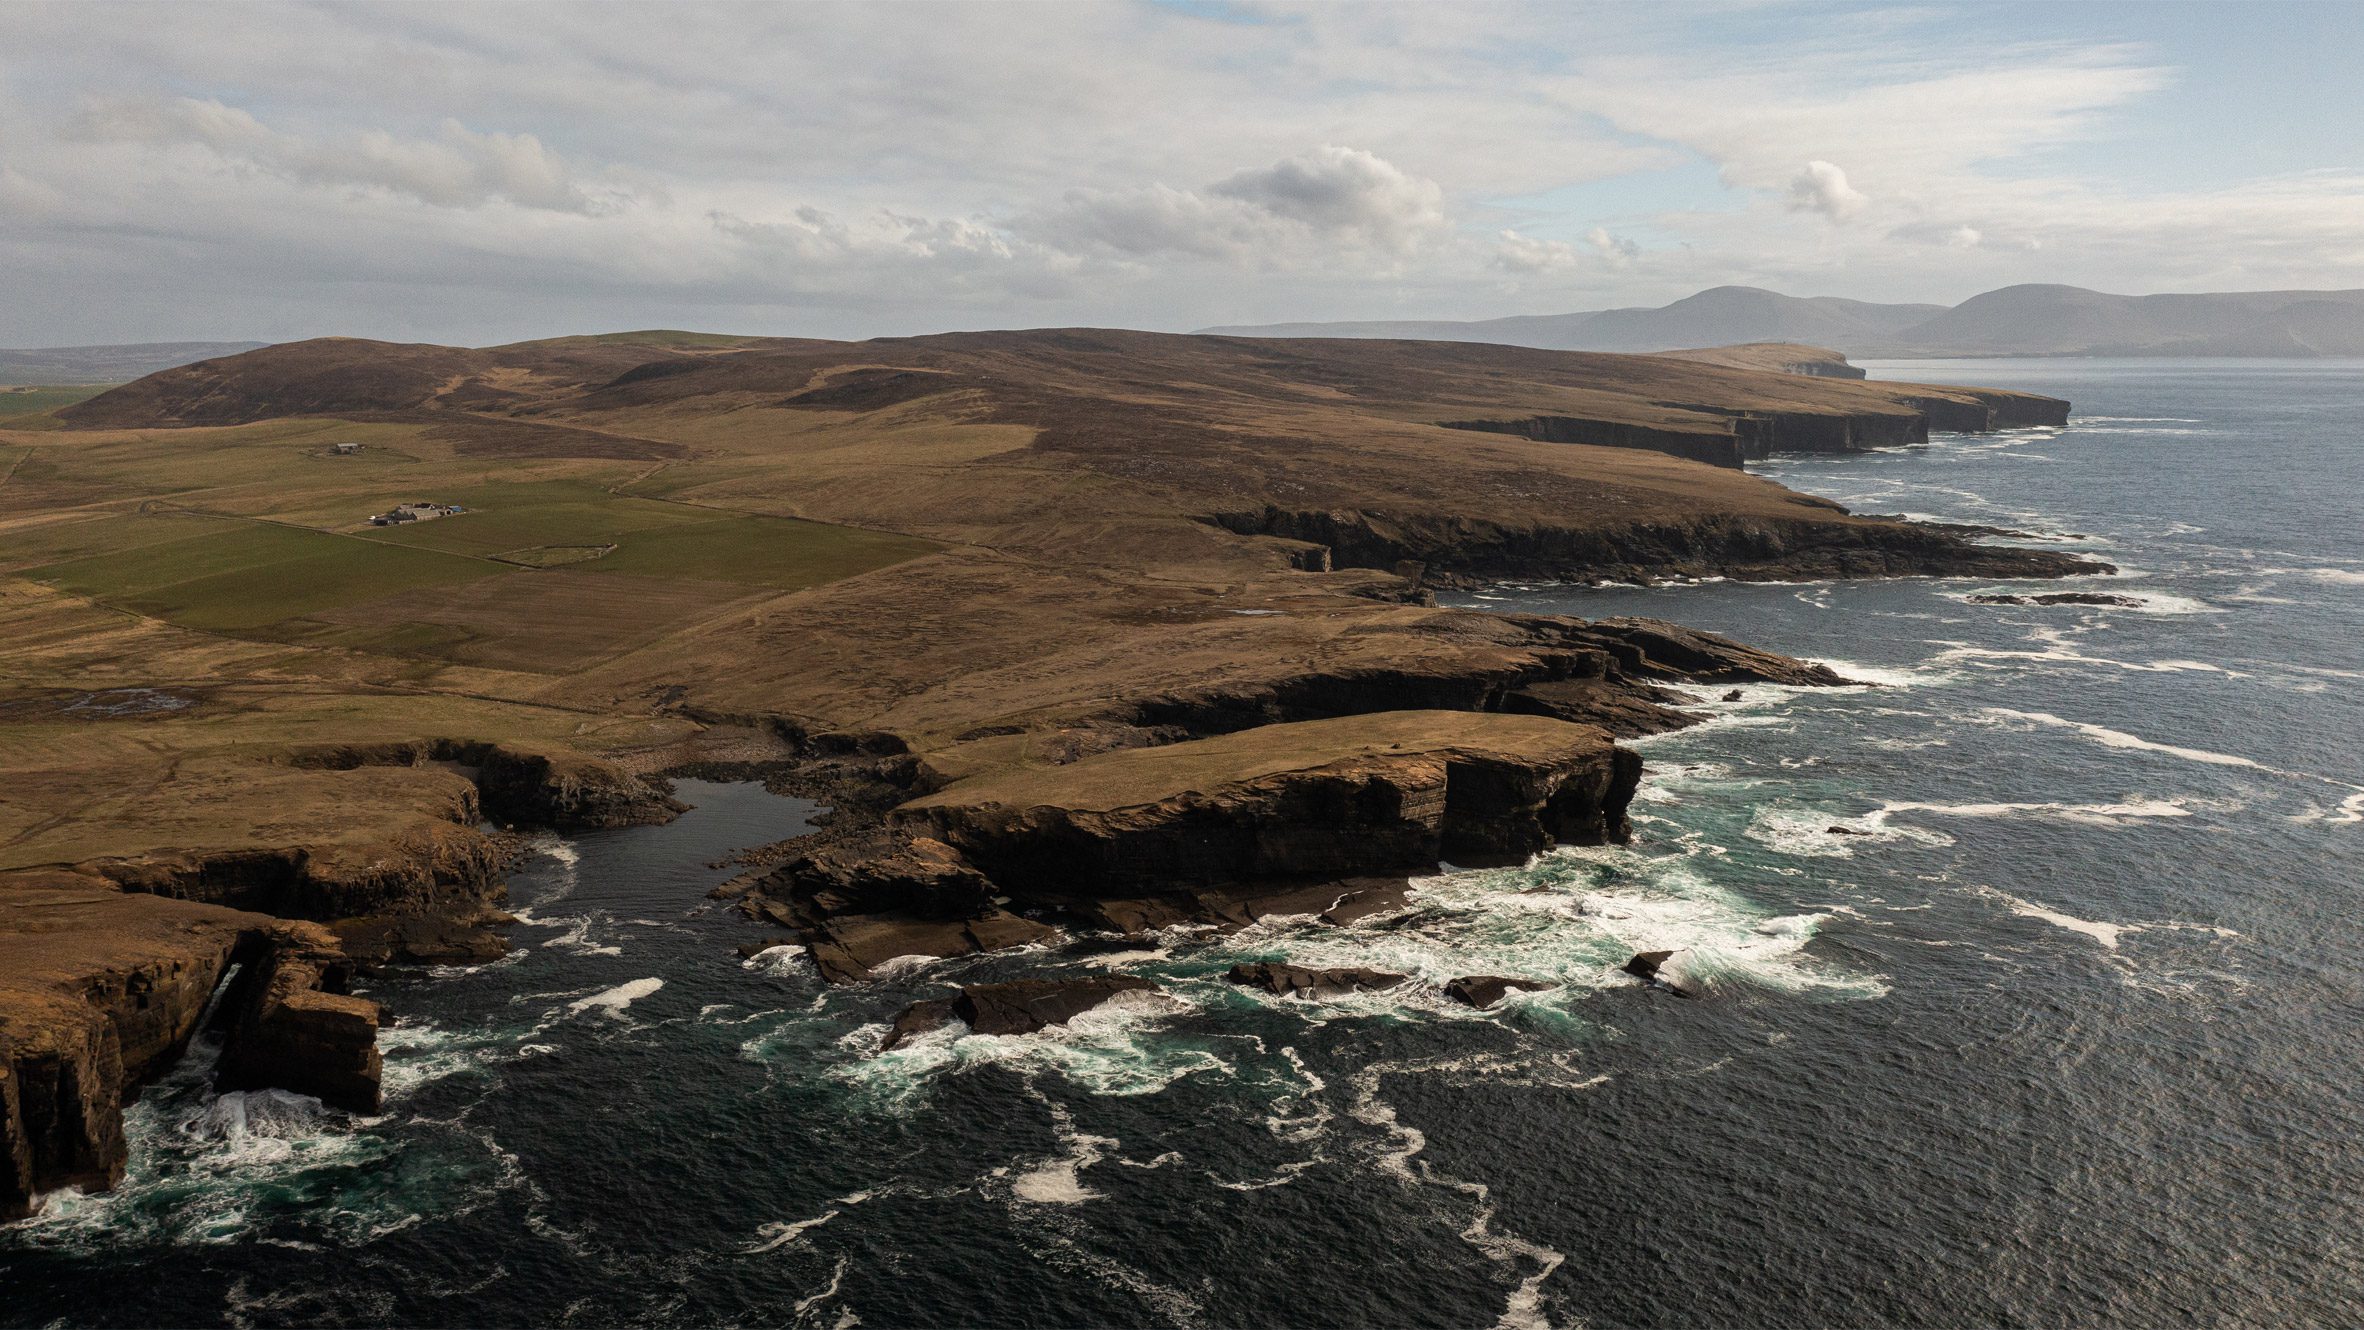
column 1222, row 838
column 1022, row 1006
column 288, row 1024
column 433, row 867
column 2058, row 598
column 102, row 989
column 1651, row 968
column 1310, row 800
column 520, row 783
column 1484, row 990
column 1301, row 982
column 1455, row 549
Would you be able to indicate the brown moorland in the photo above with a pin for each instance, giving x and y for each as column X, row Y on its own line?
column 949, row 582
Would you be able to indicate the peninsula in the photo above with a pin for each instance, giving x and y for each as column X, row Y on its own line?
column 1074, row 629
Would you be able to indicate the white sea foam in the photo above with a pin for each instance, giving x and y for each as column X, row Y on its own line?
column 772, row 1237
column 826, row 1291
column 1059, row 1180
column 1807, row 832
column 2349, row 811
column 2119, row 739
column 1399, row 1156
column 613, row 1001
column 2105, row 934
column 1108, row 1050
column 783, row 961
column 2126, row 813
column 577, row 938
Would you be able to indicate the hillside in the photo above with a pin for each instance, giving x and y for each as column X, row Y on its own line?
column 928, row 537
column 2013, row 321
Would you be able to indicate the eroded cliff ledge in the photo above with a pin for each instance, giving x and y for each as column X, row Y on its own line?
column 1316, row 795
column 101, row 990
column 107, row 968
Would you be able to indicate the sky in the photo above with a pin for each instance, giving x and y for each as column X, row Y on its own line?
column 479, row 173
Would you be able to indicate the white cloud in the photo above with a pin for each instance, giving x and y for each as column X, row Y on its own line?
column 849, row 170
column 1326, row 198
column 1823, row 188
column 1344, row 193
column 457, row 168
column 1527, row 254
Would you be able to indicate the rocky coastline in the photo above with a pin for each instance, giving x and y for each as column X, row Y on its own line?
column 1145, row 665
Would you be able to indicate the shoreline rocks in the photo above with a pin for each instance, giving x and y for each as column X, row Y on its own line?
column 2057, row 598
column 1020, row 1006
column 1297, row 981
column 1650, row 967
column 102, row 989
column 1484, row 990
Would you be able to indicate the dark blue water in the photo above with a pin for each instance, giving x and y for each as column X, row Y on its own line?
column 2070, row 1034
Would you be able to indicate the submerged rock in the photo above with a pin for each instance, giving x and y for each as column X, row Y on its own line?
column 1484, row 990
column 1021, row 1006
column 1649, row 966
column 1300, row 981
column 2059, row 598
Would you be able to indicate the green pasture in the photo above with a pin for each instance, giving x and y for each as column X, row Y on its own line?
column 244, row 575
column 28, row 401
column 765, row 551
column 653, row 538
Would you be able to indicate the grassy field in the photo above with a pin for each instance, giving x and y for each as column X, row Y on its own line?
column 32, row 545
column 517, row 516
column 244, row 576
column 652, row 538
column 762, row 551
column 28, row 401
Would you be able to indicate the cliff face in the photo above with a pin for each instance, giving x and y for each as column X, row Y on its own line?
column 1465, row 549
column 107, row 970
column 100, row 990
column 517, row 783
column 1315, row 794
column 1750, row 435
column 1394, row 790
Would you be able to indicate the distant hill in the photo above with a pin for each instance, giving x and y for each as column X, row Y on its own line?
column 2033, row 320
column 1719, row 315
column 109, row 364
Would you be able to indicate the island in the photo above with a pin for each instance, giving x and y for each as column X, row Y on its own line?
column 1072, row 629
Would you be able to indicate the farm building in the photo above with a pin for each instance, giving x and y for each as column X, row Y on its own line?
column 415, row 512
column 344, row 449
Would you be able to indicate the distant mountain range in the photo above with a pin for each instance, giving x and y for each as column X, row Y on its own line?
column 109, row 364
column 2013, row 321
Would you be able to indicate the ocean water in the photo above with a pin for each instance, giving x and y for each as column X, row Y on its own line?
column 2062, row 1025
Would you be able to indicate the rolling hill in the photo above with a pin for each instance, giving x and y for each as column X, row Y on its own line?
column 2031, row 320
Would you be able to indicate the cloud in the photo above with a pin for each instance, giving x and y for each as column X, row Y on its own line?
column 1327, row 198
column 1344, row 193
column 457, row 168
column 1823, row 188
column 855, row 170
column 1526, row 254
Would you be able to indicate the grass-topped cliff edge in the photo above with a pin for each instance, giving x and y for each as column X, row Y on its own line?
column 928, row 569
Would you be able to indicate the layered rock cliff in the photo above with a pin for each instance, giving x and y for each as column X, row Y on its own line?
column 100, row 990
column 1317, row 794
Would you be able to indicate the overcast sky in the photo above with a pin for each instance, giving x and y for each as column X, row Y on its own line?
column 479, row 173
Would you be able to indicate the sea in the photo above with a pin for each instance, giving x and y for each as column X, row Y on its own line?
column 2026, row 989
